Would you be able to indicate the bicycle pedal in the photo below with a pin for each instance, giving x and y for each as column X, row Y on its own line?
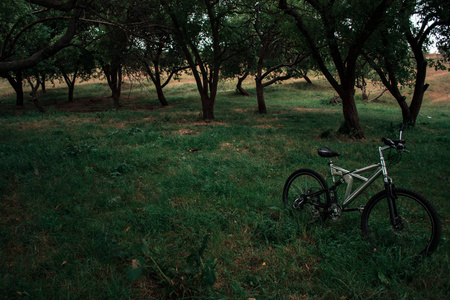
column 361, row 208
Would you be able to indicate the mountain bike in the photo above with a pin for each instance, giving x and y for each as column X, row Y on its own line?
column 395, row 218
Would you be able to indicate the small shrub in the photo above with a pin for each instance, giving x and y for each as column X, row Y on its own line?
column 121, row 169
column 191, row 279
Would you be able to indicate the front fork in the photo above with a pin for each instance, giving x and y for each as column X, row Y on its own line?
column 392, row 204
column 391, row 196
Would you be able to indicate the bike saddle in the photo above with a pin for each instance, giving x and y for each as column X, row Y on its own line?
column 327, row 152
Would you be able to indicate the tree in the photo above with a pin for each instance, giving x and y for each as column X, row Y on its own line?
column 398, row 56
column 269, row 51
column 157, row 54
column 389, row 55
column 29, row 35
column 35, row 79
column 112, row 43
column 35, row 82
column 111, row 62
column 434, row 17
column 74, row 63
column 277, row 56
column 11, row 16
column 241, row 58
column 151, row 49
column 161, row 62
column 336, row 32
column 200, row 28
column 123, row 33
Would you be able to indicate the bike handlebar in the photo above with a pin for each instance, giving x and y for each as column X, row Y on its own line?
column 394, row 143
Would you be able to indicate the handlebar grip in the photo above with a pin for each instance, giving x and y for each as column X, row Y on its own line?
column 397, row 144
column 400, row 146
column 388, row 142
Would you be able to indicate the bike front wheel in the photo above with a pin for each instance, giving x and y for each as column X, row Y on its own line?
column 306, row 195
column 419, row 229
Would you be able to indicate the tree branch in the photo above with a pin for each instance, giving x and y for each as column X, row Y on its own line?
column 312, row 45
column 59, row 5
column 6, row 53
column 278, row 78
column 48, row 51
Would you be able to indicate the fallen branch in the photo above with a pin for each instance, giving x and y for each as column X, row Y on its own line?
column 379, row 96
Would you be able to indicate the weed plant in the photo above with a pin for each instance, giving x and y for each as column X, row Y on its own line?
column 158, row 204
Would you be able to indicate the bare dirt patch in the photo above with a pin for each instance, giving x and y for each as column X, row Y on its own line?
column 86, row 105
column 205, row 123
column 319, row 110
column 443, row 98
column 268, row 126
column 246, row 110
column 101, row 103
column 439, row 90
column 187, row 132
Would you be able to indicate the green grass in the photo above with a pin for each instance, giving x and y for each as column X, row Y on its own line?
column 158, row 204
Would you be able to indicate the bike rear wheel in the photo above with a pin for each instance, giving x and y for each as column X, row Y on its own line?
column 301, row 197
column 420, row 227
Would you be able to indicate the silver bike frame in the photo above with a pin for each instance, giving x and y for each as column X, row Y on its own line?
column 349, row 176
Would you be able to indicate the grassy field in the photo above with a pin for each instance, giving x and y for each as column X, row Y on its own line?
column 152, row 203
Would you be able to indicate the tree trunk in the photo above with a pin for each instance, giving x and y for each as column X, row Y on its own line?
column 34, row 98
column 362, row 85
column 365, row 95
column 38, row 104
column 116, row 98
column 307, row 79
column 262, row 109
column 351, row 119
column 71, row 90
column 406, row 113
column 239, row 87
column 411, row 112
column 207, row 107
column 43, row 86
column 162, row 99
column 120, row 80
column 70, row 83
column 19, row 95
column 113, row 74
column 390, row 81
column 156, row 78
column 420, row 87
column 416, row 103
column 116, row 87
column 206, row 74
column 16, row 83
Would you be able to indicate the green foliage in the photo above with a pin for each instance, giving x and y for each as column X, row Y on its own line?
column 25, row 28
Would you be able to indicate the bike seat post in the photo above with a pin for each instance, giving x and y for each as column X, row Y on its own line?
column 330, row 164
